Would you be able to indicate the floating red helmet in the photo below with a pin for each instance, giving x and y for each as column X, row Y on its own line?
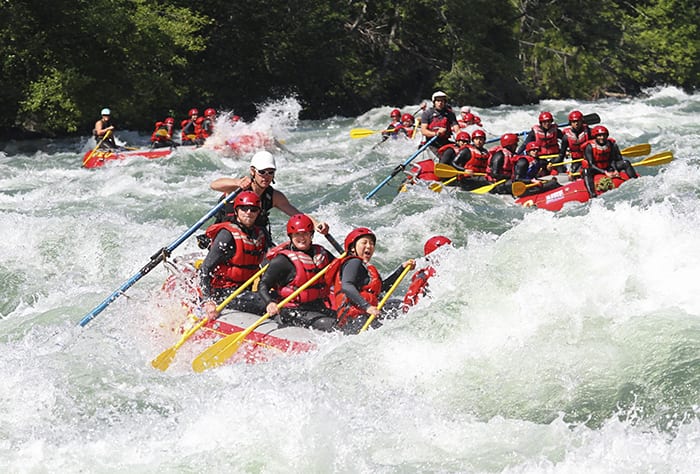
column 599, row 130
column 546, row 116
column 532, row 146
column 246, row 198
column 193, row 112
column 355, row 235
column 209, row 112
column 433, row 243
column 407, row 118
column 299, row 223
column 478, row 133
column 396, row 113
column 169, row 120
column 509, row 139
column 462, row 136
column 575, row 115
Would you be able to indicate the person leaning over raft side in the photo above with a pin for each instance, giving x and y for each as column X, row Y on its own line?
column 603, row 156
column 530, row 167
column 357, row 284
column 236, row 252
column 102, row 126
column 262, row 175
column 419, row 282
column 292, row 264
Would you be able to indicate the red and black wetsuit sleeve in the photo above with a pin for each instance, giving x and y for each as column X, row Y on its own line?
column 354, row 276
column 278, row 274
column 222, row 249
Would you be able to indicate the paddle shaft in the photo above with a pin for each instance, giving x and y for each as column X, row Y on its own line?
column 388, row 294
column 104, row 137
column 156, row 258
column 401, row 167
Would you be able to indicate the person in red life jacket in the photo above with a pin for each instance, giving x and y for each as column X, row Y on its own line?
column 292, row 264
column 102, row 126
column 357, row 284
column 438, row 121
column 262, row 175
column 530, row 167
column 466, row 117
column 603, row 156
column 205, row 127
column 454, row 152
column 501, row 162
column 188, row 133
column 546, row 134
column 474, row 160
column 392, row 130
column 236, row 252
column 162, row 135
column 407, row 126
column 576, row 136
column 419, row 282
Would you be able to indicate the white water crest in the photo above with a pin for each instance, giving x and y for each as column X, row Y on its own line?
column 551, row 342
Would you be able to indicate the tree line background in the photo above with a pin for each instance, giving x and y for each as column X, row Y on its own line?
column 62, row 61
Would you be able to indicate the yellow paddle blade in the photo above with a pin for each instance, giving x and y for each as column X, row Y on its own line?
column 163, row 361
column 662, row 158
column 362, row 132
column 636, row 150
column 518, row 188
column 486, row 189
column 217, row 354
column 446, row 171
column 437, row 186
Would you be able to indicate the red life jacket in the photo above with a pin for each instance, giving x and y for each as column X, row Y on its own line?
column 189, row 130
column 576, row 141
column 509, row 159
column 245, row 262
column 547, row 139
column 417, row 288
column 479, row 159
column 306, row 267
column 444, row 148
column 601, row 154
column 370, row 292
column 198, row 127
column 156, row 137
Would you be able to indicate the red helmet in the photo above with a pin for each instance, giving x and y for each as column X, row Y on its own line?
column 246, row 198
column 508, row 139
column 209, row 112
column 235, row 118
column 169, row 120
column 478, row 133
column 396, row 113
column 433, row 243
column 599, row 130
column 355, row 235
column 193, row 112
column 532, row 146
column 299, row 223
column 462, row 136
column 575, row 115
column 546, row 116
column 407, row 118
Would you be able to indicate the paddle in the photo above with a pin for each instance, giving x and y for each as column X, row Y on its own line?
column 401, row 167
column 589, row 119
column 518, row 187
column 365, row 132
column 443, row 170
column 104, row 137
column 222, row 350
column 662, row 158
column 156, row 258
column 630, row 152
column 334, row 243
column 405, row 271
column 437, row 185
column 162, row 362
column 487, row 189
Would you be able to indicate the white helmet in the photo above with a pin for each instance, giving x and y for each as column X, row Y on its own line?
column 439, row 94
column 465, row 109
column 106, row 111
column 263, row 160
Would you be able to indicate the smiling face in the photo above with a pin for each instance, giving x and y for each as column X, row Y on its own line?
column 364, row 248
column 302, row 240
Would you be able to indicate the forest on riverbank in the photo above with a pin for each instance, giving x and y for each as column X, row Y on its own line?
column 146, row 59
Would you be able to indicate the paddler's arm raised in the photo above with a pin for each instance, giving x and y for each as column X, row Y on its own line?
column 229, row 185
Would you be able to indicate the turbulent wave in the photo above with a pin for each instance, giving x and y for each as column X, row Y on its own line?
column 550, row 343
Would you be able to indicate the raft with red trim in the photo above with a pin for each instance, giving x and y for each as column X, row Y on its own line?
column 101, row 157
column 267, row 341
column 573, row 191
column 249, row 142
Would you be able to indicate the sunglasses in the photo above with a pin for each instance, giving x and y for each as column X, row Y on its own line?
column 266, row 172
column 248, row 208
